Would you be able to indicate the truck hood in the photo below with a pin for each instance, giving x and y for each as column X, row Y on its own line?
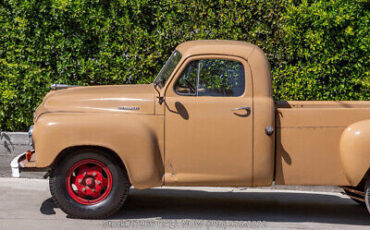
column 138, row 99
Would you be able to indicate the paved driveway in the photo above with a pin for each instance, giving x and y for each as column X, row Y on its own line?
column 26, row 204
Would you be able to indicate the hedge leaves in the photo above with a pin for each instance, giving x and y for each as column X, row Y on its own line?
column 318, row 50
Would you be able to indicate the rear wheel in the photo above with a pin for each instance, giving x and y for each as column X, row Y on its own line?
column 367, row 194
column 89, row 184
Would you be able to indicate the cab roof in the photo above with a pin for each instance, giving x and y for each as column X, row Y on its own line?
column 251, row 53
column 225, row 47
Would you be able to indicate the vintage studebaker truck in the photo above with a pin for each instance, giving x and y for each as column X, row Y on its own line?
column 208, row 119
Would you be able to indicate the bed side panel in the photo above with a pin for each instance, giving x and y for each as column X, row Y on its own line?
column 307, row 142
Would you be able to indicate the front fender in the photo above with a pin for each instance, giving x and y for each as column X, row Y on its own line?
column 355, row 151
column 132, row 137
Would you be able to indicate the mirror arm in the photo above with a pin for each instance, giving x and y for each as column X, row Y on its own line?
column 160, row 98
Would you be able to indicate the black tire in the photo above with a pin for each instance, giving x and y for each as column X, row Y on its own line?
column 107, row 207
column 367, row 194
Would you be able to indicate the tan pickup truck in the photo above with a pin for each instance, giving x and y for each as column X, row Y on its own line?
column 208, row 119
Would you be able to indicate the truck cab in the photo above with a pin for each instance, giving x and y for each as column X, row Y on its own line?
column 216, row 94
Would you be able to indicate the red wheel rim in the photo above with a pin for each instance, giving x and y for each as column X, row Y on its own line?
column 89, row 182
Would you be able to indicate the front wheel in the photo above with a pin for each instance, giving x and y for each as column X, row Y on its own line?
column 89, row 184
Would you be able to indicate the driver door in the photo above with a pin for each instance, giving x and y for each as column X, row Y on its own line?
column 208, row 123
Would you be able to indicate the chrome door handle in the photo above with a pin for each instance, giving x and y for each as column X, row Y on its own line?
column 242, row 108
column 248, row 109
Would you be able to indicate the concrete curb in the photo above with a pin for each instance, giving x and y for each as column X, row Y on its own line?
column 13, row 143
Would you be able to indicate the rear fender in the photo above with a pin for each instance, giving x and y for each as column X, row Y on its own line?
column 355, row 151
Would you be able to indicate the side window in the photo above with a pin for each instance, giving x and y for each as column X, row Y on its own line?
column 212, row 77
column 221, row 78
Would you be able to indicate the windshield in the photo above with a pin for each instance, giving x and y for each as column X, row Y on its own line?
column 167, row 69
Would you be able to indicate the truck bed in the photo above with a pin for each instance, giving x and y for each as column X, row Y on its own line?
column 307, row 140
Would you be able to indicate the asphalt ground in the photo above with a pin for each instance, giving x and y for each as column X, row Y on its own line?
column 26, row 204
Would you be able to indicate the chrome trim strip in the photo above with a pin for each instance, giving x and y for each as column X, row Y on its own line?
column 61, row 86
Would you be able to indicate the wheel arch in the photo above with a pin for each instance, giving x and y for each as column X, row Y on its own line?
column 69, row 150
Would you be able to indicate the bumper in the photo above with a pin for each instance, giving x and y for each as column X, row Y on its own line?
column 23, row 162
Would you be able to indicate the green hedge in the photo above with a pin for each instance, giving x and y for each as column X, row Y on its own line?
column 318, row 50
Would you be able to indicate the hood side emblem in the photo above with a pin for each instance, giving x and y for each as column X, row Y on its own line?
column 128, row 108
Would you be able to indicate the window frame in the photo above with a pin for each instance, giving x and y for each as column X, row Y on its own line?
column 159, row 75
column 186, row 63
